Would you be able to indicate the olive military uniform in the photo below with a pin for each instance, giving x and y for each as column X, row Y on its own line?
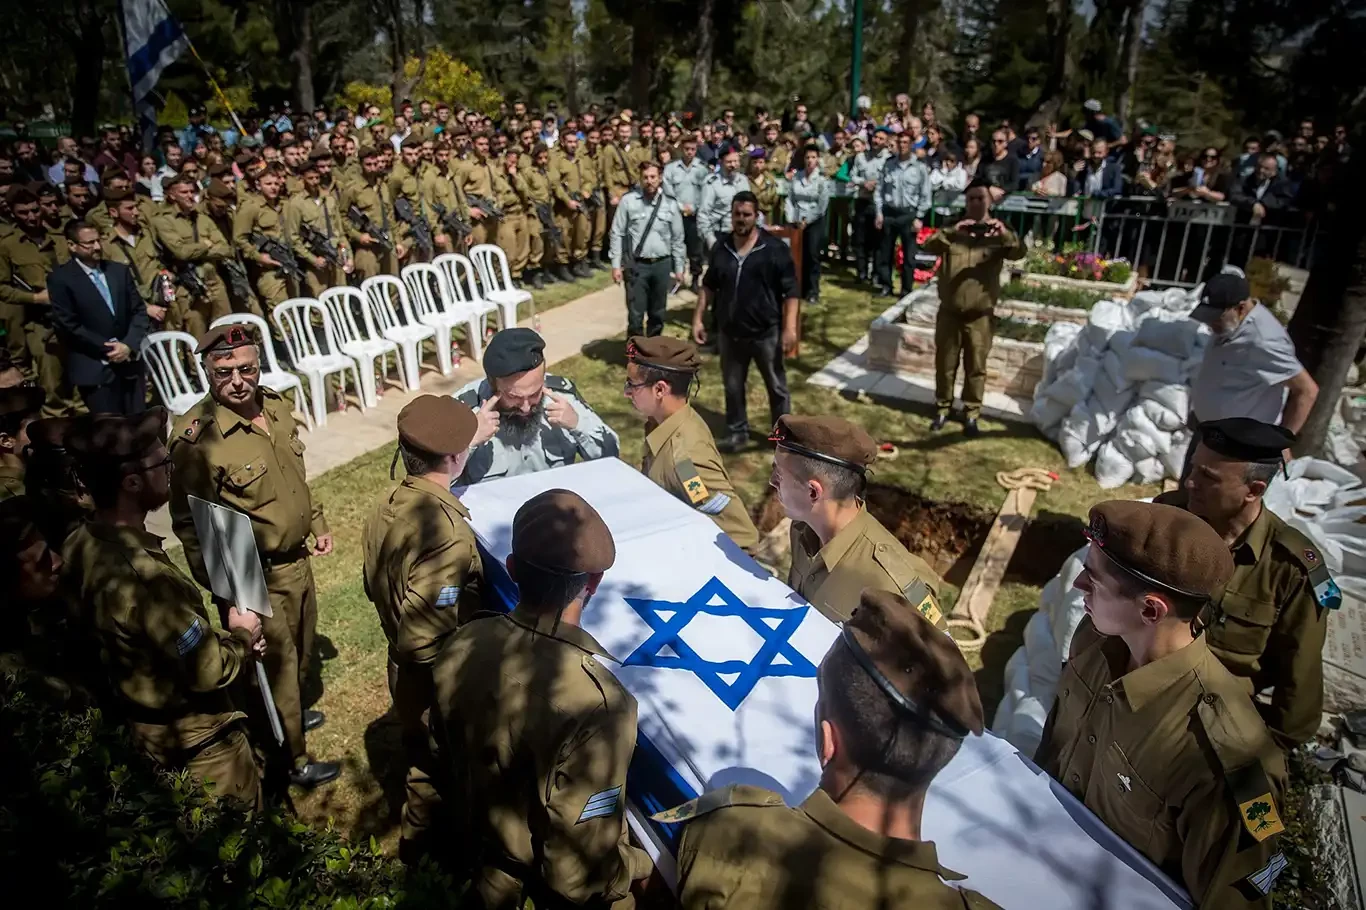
column 573, row 179
column 512, row 231
column 539, row 199
column 372, row 197
column 540, row 733
column 139, row 253
column 225, row 459
column 739, row 847
column 681, row 457
column 1268, row 627
column 424, row 576
column 257, row 215
column 969, row 286
column 193, row 238
column 322, row 215
column 35, row 347
column 486, row 180
column 18, row 405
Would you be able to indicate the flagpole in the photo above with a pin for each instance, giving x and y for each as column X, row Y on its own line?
column 222, row 99
column 143, row 136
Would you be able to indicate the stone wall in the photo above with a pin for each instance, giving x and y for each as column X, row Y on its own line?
column 1013, row 367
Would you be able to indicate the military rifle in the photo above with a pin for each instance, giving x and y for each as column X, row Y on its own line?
column 486, row 205
column 319, row 245
column 366, row 226
column 276, row 249
column 237, row 279
column 548, row 222
column 418, row 224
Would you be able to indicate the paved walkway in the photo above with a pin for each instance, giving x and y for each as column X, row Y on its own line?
column 352, row 433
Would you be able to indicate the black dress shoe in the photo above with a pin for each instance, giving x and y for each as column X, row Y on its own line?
column 695, row 283
column 733, row 443
column 938, row 423
column 313, row 719
column 314, row 774
column 970, row 428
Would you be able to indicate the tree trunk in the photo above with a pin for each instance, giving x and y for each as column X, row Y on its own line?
column 1340, row 347
column 1133, row 45
column 642, row 55
column 303, row 57
column 1058, row 21
column 701, row 68
column 905, row 58
column 89, row 48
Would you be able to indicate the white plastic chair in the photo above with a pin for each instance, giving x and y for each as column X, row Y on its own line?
column 463, row 298
column 294, row 318
column 407, row 333
column 494, row 275
column 272, row 377
column 166, row 354
column 427, row 290
column 357, row 338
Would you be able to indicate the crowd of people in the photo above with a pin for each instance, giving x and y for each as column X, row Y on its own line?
column 516, row 739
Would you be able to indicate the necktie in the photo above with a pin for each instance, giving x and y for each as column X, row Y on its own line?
column 97, row 276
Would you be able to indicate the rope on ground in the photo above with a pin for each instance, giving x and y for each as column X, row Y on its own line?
column 1035, row 479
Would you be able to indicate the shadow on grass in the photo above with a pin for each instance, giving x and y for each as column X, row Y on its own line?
column 311, row 687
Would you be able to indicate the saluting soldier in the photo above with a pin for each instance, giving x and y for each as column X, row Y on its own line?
column 1271, row 619
column 512, row 232
column 718, row 191
column 27, row 257
column 191, row 240
column 896, row 702
column 1149, row 729
column 171, row 671
column 574, row 178
column 264, row 215
column 128, row 242
column 486, row 179
column 318, row 210
column 20, row 407
column 537, row 181
column 648, row 250
column 239, row 447
column 425, row 578
column 538, row 733
column 680, row 452
column 372, row 255
column 820, row 472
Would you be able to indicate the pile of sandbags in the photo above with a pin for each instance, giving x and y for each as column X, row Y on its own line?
column 1118, row 388
column 1323, row 501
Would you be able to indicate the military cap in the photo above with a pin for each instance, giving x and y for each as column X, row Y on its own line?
column 411, row 141
column 116, row 438
column 438, row 424
column 218, row 169
column 217, row 189
column 243, row 159
column 225, row 338
column 830, row 439
column 1225, row 290
column 514, row 350
column 368, row 151
column 21, row 400
column 758, row 152
column 112, row 173
column 1161, row 545
column 49, row 434
column 558, row 530
column 116, row 196
column 320, row 154
column 918, row 667
column 178, row 179
column 1245, row 439
column 664, row 353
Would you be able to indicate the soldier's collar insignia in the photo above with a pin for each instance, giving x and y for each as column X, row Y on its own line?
column 1311, row 555
column 1260, row 817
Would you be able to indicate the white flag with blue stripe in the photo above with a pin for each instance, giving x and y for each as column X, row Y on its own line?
column 153, row 39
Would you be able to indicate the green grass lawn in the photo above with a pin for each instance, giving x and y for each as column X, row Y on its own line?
column 949, row 480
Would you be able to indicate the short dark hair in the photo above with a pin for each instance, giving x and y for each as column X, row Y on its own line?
column 545, row 589
column 417, row 462
column 651, row 164
column 894, row 753
column 1263, row 472
column 1132, row 587
column 745, row 197
column 839, row 483
column 679, row 383
column 73, row 228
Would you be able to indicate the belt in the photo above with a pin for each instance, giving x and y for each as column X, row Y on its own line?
column 271, row 560
column 647, row 259
column 895, row 210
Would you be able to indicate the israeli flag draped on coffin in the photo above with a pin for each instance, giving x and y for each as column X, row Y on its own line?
column 722, row 659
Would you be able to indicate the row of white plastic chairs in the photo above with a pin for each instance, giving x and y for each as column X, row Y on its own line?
column 361, row 327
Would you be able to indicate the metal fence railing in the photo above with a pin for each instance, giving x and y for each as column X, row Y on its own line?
column 1172, row 243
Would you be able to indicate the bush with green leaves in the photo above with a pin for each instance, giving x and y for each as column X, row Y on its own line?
column 1048, row 295
column 86, row 821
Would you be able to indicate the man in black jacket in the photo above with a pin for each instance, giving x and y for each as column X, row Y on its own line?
column 1264, row 195
column 753, row 281
column 101, row 319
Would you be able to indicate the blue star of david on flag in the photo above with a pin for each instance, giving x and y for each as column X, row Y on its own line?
column 665, row 634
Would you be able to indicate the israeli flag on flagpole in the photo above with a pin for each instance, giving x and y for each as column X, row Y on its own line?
column 152, row 40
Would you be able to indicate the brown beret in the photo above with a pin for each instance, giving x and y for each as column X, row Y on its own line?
column 49, row 434
column 115, row 438
column 244, row 159
column 117, row 196
column 219, row 168
column 664, row 353
column 1162, row 545
column 411, row 141
column 320, row 154
column 919, row 667
column 226, row 337
column 217, row 189
column 559, row 531
column 438, row 424
column 831, row 439
column 21, row 400
column 185, row 178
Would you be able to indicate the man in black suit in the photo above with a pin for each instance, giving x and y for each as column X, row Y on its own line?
column 101, row 319
column 1264, row 195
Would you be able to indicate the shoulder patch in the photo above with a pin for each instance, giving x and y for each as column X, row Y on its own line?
column 693, row 487
column 925, row 603
column 190, row 638
column 562, row 385
column 733, row 795
column 1252, row 792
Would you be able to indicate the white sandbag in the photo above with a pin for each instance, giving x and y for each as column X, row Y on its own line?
column 1144, row 301
column 1045, row 666
column 1159, row 415
column 1047, row 415
column 1175, row 397
column 1169, row 333
column 1179, row 301
column 1061, row 336
column 1136, row 419
column 1175, row 459
column 1149, row 470
column 1145, row 364
column 1134, row 446
column 1079, row 435
column 1106, row 318
column 1109, row 399
column 1112, row 468
column 1340, row 447
column 1074, row 385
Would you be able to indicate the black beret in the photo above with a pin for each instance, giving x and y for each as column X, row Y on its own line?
column 1245, row 439
column 514, row 350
